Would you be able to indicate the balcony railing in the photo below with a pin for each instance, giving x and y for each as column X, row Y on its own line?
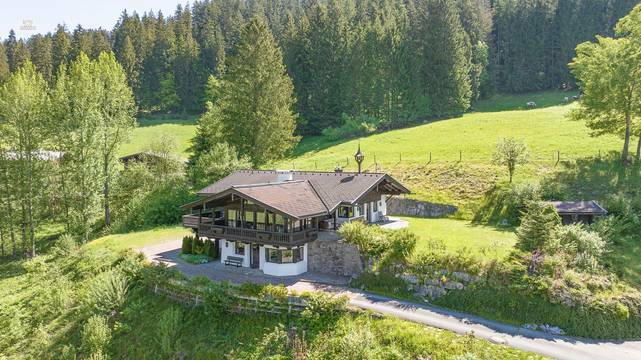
column 206, row 227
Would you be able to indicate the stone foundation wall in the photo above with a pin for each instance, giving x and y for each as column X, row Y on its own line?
column 409, row 207
column 333, row 257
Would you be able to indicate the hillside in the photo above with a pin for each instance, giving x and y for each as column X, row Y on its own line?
column 461, row 148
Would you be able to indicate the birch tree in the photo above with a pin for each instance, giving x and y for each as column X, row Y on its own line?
column 117, row 110
column 24, row 104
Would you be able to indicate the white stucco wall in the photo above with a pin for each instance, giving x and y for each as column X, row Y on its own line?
column 227, row 249
column 282, row 269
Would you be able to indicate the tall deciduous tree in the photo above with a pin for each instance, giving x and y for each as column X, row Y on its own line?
column 24, row 125
column 256, row 98
column 4, row 65
column 116, row 111
column 78, row 117
column 609, row 71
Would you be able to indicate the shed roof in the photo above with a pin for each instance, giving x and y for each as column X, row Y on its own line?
column 590, row 207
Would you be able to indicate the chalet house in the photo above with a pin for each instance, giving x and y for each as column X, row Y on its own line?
column 265, row 219
column 578, row 212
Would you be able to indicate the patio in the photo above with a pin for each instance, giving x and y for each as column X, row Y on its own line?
column 168, row 253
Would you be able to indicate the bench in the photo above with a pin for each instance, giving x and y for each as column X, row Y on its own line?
column 234, row 260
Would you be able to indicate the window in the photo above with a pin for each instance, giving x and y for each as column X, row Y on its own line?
column 280, row 223
column 260, row 220
column 284, row 256
column 231, row 218
column 239, row 248
column 249, row 219
column 345, row 212
column 273, row 256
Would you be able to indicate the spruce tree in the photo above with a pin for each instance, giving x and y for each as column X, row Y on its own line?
column 40, row 48
column 256, row 98
column 61, row 48
column 446, row 52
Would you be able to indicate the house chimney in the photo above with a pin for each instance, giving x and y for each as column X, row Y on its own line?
column 284, row 175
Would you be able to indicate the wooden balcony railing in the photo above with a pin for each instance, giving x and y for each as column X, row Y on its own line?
column 206, row 227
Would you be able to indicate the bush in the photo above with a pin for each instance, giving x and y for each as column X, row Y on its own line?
column 323, row 309
column 210, row 249
column 187, row 245
column 217, row 300
column 95, row 336
column 168, row 330
column 107, row 292
column 352, row 127
column 585, row 248
column 197, row 246
column 65, row 245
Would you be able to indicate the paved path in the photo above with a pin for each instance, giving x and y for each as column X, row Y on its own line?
column 559, row 347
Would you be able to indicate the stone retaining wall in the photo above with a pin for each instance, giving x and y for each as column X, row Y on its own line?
column 410, row 207
column 333, row 257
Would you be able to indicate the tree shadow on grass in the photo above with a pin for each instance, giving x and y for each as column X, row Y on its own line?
column 594, row 179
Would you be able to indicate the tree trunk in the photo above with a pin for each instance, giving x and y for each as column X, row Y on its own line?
column 639, row 149
column 1, row 241
column 105, row 193
column 626, row 144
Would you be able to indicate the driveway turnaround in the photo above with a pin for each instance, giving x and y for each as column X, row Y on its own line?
column 554, row 346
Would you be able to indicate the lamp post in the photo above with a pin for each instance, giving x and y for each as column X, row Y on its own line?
column 359, row 157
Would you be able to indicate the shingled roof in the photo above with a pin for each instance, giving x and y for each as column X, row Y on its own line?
column 579, row 207
column 328, row 189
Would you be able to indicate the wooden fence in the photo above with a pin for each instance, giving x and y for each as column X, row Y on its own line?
column 293, row 305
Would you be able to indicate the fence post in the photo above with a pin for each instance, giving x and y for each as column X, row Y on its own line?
column 400, row 157
column 429, row 162
column 460, row 155
column 558, row 157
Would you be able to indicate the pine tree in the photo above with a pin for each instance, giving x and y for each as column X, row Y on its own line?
column 10, row 47
column 187, row 69
column 61, row 48
column 446, row 51
column 256, row 98
column 19, row 56
column 100, row 43
column 40, row 48
column 82, row 42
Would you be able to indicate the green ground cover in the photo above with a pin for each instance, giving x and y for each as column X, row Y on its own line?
column 138, row 239
column 47, row 304
column 179, row 128
column 458, row 235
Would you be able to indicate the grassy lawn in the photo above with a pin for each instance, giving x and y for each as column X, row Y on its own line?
column 180, row 129
column 485, row 241
column 139, row 239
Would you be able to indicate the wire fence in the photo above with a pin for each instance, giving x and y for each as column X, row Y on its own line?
column 378, row 162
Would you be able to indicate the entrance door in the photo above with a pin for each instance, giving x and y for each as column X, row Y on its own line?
column 255, row 256
column 368, row 212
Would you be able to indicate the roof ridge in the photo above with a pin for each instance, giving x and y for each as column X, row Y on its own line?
column 267, row 184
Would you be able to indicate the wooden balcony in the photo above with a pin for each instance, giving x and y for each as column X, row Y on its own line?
column 206, row 227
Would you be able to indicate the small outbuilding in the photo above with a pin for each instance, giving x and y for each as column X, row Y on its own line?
column 578, row 212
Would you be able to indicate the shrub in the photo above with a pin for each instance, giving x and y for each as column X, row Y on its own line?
column 210, row 249
column 95, row 336
column 167, row 330
column 217, row 300
column 187, row 244
column 65, row 245
column 538, row 226
column 108, row 291
column 276, row 292
column 586, row 248
column 352, row 127
column 323, row 309
column 197, row 246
